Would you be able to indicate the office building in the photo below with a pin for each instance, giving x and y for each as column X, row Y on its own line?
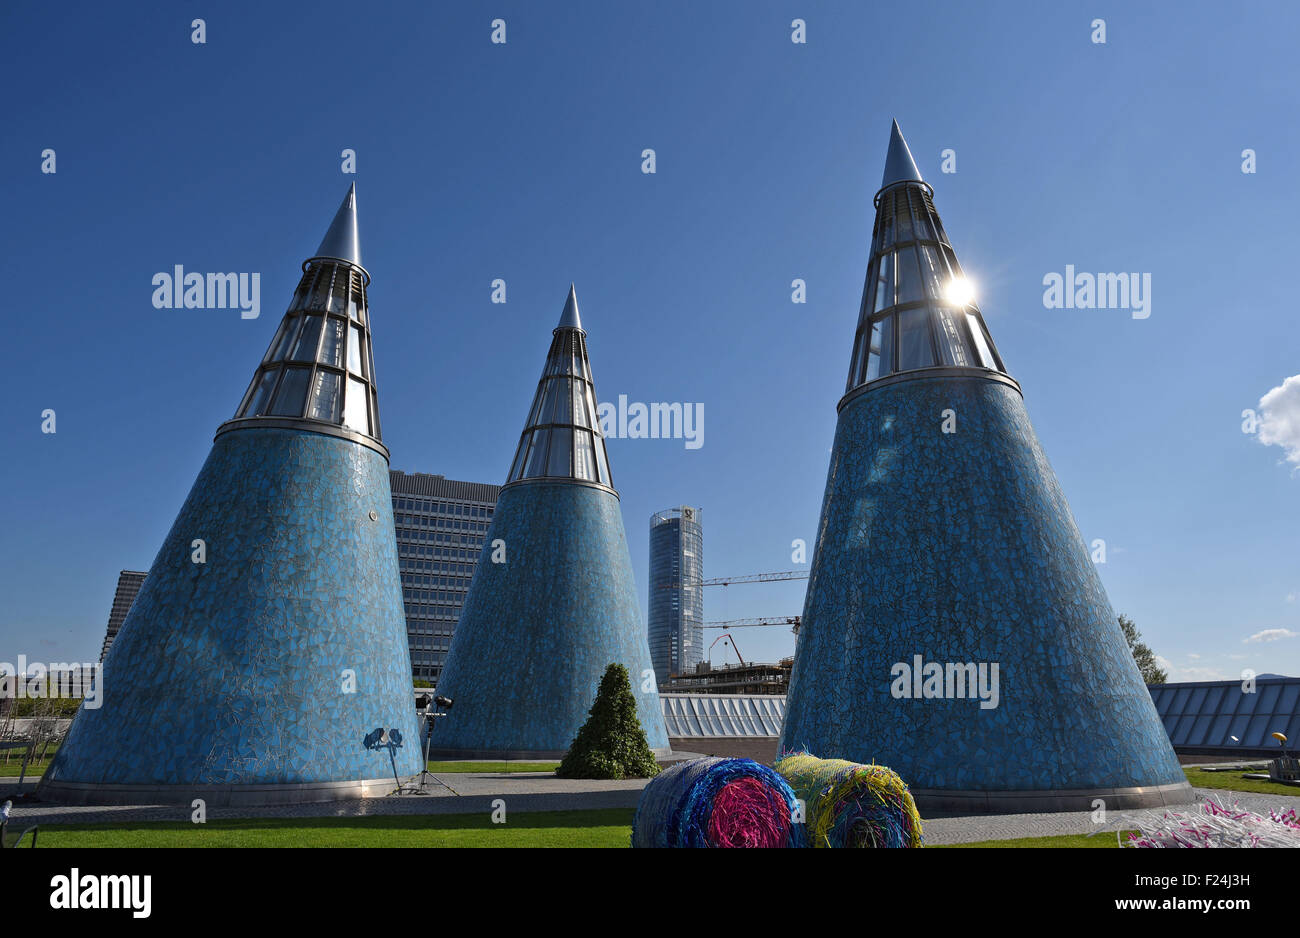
column 676, row 621
column 128, row 585
column 441, row 525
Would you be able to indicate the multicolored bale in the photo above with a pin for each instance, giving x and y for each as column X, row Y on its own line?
column 848, row 804
column 717, row 803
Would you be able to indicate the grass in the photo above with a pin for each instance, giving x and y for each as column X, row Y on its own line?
column 438, row 768
column 35, row 769
column 1232, row 781
column 609, row 827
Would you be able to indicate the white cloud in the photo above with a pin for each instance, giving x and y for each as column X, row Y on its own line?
column 1271, row 635
column 1193, row 656
column 1290, row 597
column 1178, row 675
column 1279, row 418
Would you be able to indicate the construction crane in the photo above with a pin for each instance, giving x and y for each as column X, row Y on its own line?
column 748, row 578
column 792, row 621
column 734, row 647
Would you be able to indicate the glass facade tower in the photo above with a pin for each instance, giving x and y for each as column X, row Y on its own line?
column 676, row 621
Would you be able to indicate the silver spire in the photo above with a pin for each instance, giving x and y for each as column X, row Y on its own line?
column 899, row 165
column 342, row 241
column 569, row 319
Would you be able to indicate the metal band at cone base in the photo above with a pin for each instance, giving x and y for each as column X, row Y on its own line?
column 537, row 631
column 262, row 670
column 960, row 548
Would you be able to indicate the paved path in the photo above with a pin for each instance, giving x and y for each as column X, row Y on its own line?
column 961, row 830
column 539, row 791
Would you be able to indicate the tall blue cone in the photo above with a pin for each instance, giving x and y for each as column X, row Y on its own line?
column 955, row 628
column 553, row 601
column 268, row 642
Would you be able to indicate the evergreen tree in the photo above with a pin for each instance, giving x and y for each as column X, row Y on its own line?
column 611, row 744
column 1151, row 672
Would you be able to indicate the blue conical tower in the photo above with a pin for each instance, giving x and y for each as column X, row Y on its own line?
column 955, row 628
column 553, row 601
column 268, row 641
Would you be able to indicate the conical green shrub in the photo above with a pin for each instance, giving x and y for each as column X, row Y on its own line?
column 611, row 744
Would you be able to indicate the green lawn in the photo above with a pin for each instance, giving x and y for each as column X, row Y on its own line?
column 610, row 827
column 451, row 767
column 1233, row 781
column 34, row 770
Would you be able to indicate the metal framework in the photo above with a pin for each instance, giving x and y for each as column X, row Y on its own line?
column 916, row 312
column 318, row 372
column 562, row 437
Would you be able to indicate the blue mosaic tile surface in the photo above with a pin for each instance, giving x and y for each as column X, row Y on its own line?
column 232, row 671
column 962, row 548
column 537, row 632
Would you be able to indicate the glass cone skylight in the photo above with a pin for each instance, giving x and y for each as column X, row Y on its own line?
column 562, row 438
column 915, row 313
column 318, row 371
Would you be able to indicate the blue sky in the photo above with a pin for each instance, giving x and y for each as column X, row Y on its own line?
column 522, row 161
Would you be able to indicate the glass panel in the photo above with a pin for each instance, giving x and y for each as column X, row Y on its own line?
column 331, row 352
column 914, row 350
column 584, row 466
column 374, row 415
column 537, row 458
column 286, row 338
column 352, row 306
column 354, row 350
column 923, row 229
column 591, row 409
column 342, row 289
column 536, row 412
column 354, row 407
column 320, row 296
column 556, row 407
column 579, row 399
column 904, row 220
column 887, row 230
column 560, row 461
column 855, row 363
column 300, row 295
column 885, row 283
column 520, row 453
column 305, row 350
column 263, row 396
column 279, row 338
column 981, row 347
column 880, row 359
column 954, row 269
column 933, row 271
column 292, row 393
column 325, row 397
column 909, row 276
column 602, row 465
column 952, row 342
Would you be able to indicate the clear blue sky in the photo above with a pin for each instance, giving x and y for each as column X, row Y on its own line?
column 522, row 161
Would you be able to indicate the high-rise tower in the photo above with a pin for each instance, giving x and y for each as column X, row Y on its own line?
column 676, row 613
column 553, row 601
column 955, row 628
column 268, row 640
